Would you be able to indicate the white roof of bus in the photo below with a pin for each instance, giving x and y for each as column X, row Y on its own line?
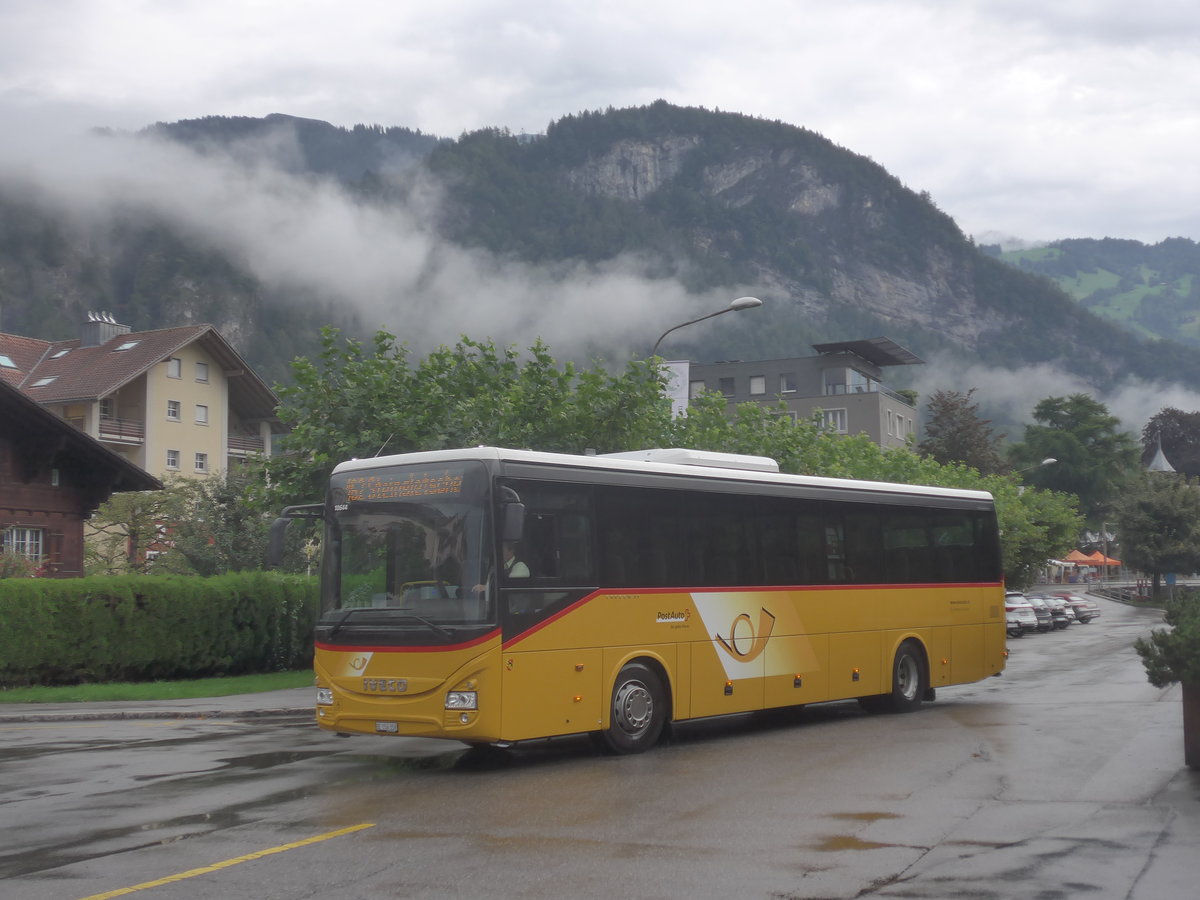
column 624, row 464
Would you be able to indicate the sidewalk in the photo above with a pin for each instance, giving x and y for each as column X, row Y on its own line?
column 294, row 702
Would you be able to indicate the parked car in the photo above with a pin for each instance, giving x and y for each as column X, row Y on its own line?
column 1085, row 608
column 1019, row 614
column 1059, row 618
column 1045, row 618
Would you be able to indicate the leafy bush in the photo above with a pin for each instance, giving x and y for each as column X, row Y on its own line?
column 143, row 628
column 1174, row 655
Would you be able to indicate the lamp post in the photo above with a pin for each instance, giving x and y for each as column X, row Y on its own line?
column 1048, row 461
column 739, row 304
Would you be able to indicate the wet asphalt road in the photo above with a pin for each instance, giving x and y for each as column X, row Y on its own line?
column 1063, row 778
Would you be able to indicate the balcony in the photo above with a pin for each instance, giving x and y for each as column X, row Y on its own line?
column 122, row 431
column 873, row 387
column 245, row 444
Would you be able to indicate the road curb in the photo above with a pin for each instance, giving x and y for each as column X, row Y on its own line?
column 118, row 714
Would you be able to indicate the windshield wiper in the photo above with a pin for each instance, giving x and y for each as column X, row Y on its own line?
column 433, row 626
column 345, row 613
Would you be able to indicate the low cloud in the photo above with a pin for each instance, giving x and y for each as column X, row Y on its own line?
column 387, row 264
column 1009, row 396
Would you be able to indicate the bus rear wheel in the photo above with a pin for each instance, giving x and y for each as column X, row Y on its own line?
column 638, row 712
column 910, row 682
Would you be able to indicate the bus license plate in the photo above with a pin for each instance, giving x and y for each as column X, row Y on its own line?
column 387, row 728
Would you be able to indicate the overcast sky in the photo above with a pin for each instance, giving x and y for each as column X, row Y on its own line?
column 1035, row 119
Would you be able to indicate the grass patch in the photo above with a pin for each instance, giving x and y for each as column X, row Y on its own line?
column 159, row 690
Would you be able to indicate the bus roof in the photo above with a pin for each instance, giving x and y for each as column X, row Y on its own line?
column 624, row 463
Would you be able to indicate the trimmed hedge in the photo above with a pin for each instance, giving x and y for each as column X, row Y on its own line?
column 146, row 628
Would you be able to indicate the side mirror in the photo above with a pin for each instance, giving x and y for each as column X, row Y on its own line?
column 278, row 532
column 514, row 522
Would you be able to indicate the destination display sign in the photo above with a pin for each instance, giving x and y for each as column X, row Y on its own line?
column 408, row 485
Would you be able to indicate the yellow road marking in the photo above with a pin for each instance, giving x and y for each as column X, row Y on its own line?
column 225, row 864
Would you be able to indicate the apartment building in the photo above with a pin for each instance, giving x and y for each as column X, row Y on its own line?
column 175, row 401
column 844, row 381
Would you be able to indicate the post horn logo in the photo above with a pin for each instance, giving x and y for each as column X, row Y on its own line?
column 745, row 642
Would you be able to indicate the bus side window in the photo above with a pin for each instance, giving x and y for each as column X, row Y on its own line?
column 961, row 542
column 557, row 543
column 907, row 552
column 863, row 545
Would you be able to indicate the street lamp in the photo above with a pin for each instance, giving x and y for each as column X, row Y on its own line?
column 1048, row 461
column 739, row 304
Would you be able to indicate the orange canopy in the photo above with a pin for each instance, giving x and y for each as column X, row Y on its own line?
column 1076, row 557
column 1099, row 559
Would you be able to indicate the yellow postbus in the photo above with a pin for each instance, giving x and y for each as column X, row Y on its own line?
column 494, row 596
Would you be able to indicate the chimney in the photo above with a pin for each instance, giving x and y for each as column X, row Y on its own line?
column 99, row 328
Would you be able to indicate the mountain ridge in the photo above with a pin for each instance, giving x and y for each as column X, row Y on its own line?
column 715, row 201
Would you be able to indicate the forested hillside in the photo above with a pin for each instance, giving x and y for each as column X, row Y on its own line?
column 720, row 203
column 1152, row 289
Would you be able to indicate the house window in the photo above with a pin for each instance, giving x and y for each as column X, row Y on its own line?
column 173, row 459
column 758, row 384
column 60, row 354
column 835, row 420
column 7, row 362
column 202, row 371
column 128, row 345
column 695, row 389
column 174, row 367
column 173, row 410
column 891, row 420
column 55, row 478
column 201, row 462
column 201, row 414
column 106, row 408
column 42, row 382
column 787, row 383
column 726, row 386
column 22, row 541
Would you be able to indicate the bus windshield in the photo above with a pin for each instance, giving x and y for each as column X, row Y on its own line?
column 410, row 550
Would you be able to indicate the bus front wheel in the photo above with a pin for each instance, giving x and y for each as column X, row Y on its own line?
column 638, row 712
column 910, row 682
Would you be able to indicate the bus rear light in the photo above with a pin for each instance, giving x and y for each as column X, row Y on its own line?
column 462, row 700
column 324, row 696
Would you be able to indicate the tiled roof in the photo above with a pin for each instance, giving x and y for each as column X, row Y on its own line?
column 23, row 352
column 36, row 431
column 64, row 371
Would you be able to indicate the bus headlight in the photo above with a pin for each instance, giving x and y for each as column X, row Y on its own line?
column 462, row 700
column 324, row 696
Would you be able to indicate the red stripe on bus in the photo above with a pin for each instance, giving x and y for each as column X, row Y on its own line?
column 421, row 648
column 562, row 612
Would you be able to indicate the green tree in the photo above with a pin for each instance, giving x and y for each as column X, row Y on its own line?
column 955, row 432
column 213, row 527
column 1179, row 432
column 1174, row 655
column 1158, row 522
column 358, row 401
column 124, row 528
column 1094, row 456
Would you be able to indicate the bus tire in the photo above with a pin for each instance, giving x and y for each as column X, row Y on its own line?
column 638, row 711
column 910, row 682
